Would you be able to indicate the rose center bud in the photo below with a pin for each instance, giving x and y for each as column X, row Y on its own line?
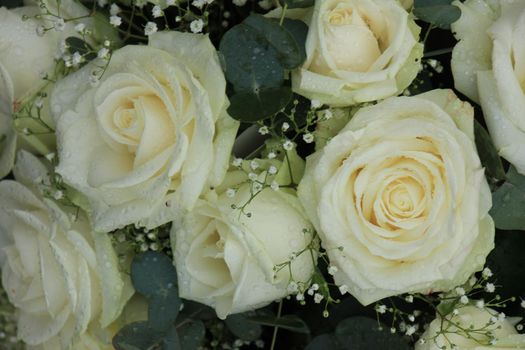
column 128, row 124
column 401, row 198
column 350, row 41
column 206, row 259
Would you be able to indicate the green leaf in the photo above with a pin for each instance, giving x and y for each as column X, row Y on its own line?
column 437, row 12
column 141, row 336
column 362, row 333
column 75, row 44
column 323, row 342
column 487, row 153
column 260, row 104
column 290, row 322
column 446, row 307
column 196, row 310
column 250, row 63
column 279, row 38
column 154, row 276
column 191, row 335
column 137, row 336
column 299, row 30
column 171, row 340
column 257, row 51
column 239, row 325
column 293, row 4
column 508, row 203
column 162, row 311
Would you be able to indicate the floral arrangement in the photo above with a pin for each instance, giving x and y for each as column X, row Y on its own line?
column 275, row 174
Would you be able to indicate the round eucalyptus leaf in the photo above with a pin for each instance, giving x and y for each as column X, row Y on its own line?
column 239, row 325
column 508, row 203
column 163, row 311
column 153, row 274
column 299, row 30
column 364, row 334
column 279, row 38
column 440, row 13
column 191, row 335
column 136, row 336
column 323, row 342
column 258, row 105
column 250, row 62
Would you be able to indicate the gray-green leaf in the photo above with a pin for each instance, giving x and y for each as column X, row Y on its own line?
column 508, row 203
column 487, row 153
column 290, row 322
column 239, row 325
column 154, row 276
column 440, row 13
column 191, row 335
column 363, row 333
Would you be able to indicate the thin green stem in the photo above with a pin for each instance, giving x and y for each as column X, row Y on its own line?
column 276, row 328
column 281, row 20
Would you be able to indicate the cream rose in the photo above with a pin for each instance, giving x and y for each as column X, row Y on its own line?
column 402, row 192
column 225, row 258
column 62, row 277
column 506, row 336
column 491, row 48
column 23, row 57
column 150, row 136
column 358, row 51
column 98, row 338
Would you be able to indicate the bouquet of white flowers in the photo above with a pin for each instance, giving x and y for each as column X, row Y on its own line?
column 275, row 174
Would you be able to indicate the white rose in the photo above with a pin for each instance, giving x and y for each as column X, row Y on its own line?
column 60, row 275
column 491, row 55
column 23, row 57
column 98, row 338
column 151, row 135
column 503, row 330
column 225, row 258
column 401, row 190
column 407, row 4
column 472, row 53
column 358, row 51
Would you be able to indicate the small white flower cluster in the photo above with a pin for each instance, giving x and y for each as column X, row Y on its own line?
column 141, row 239
column 237, row 344
column 300, row 290
column 254, row 172
column 201, row 3
column 197, row 26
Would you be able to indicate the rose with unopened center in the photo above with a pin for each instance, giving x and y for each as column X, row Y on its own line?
column 399, row 197
column 154, row 134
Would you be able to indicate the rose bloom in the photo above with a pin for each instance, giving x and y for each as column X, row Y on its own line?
column 23, row 57
column 358, row 51
column 60, row 275
column 401, row 192
column 503, row 330
column 150, row 136
column 225, row 257
column 489, row 66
